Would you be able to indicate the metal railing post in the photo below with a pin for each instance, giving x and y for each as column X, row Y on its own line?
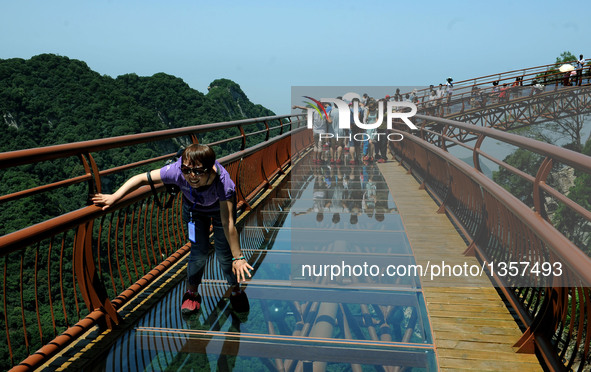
column 91, row 288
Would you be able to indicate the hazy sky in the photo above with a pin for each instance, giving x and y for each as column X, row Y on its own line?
column 269, row 46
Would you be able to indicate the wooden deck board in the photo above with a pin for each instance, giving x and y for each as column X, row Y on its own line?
column 472, row 328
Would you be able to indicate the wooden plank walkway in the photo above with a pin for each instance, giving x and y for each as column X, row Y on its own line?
column 472, row 328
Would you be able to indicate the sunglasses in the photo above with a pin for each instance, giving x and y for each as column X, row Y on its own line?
column 195, row 171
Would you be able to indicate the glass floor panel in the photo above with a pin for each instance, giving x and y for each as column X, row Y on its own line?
column 340, row 329
column 282, row 266
column 395, row 242
column 322, row 217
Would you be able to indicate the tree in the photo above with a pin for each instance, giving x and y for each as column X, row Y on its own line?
column 565, row 57
column 567, row 130
column 570, row 128
column 526, row 161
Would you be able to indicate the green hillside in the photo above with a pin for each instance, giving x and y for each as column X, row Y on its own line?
column 49, row 100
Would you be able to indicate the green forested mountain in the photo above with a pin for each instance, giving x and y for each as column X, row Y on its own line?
column 50, row 99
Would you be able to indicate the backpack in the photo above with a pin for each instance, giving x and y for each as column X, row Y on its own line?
column 171, row 190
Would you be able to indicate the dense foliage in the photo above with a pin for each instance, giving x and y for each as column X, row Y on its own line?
column 49, row 100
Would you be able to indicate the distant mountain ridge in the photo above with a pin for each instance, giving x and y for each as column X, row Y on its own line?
column 49, row 100
column 52, row 99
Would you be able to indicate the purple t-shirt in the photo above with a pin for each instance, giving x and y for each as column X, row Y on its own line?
column 204, row 198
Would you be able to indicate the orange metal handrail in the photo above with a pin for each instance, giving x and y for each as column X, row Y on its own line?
column 552, row 153
column 462, row 89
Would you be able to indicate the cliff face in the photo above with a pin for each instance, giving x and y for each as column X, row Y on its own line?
column 562, row 180
column 234, row 101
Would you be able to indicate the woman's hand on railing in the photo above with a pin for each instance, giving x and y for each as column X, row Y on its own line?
column 132, row 184
column 104, row 200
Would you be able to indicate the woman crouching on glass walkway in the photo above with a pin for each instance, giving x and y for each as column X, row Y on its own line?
column 209, row 198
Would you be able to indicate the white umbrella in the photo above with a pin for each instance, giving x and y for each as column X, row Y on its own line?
column 566, row 67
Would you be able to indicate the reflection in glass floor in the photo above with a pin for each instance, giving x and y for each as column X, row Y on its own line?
column 302, row 316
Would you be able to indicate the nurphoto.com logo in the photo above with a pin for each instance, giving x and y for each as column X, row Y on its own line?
column 346, row 111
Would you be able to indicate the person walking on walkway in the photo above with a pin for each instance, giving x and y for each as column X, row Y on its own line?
column 579, row 68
